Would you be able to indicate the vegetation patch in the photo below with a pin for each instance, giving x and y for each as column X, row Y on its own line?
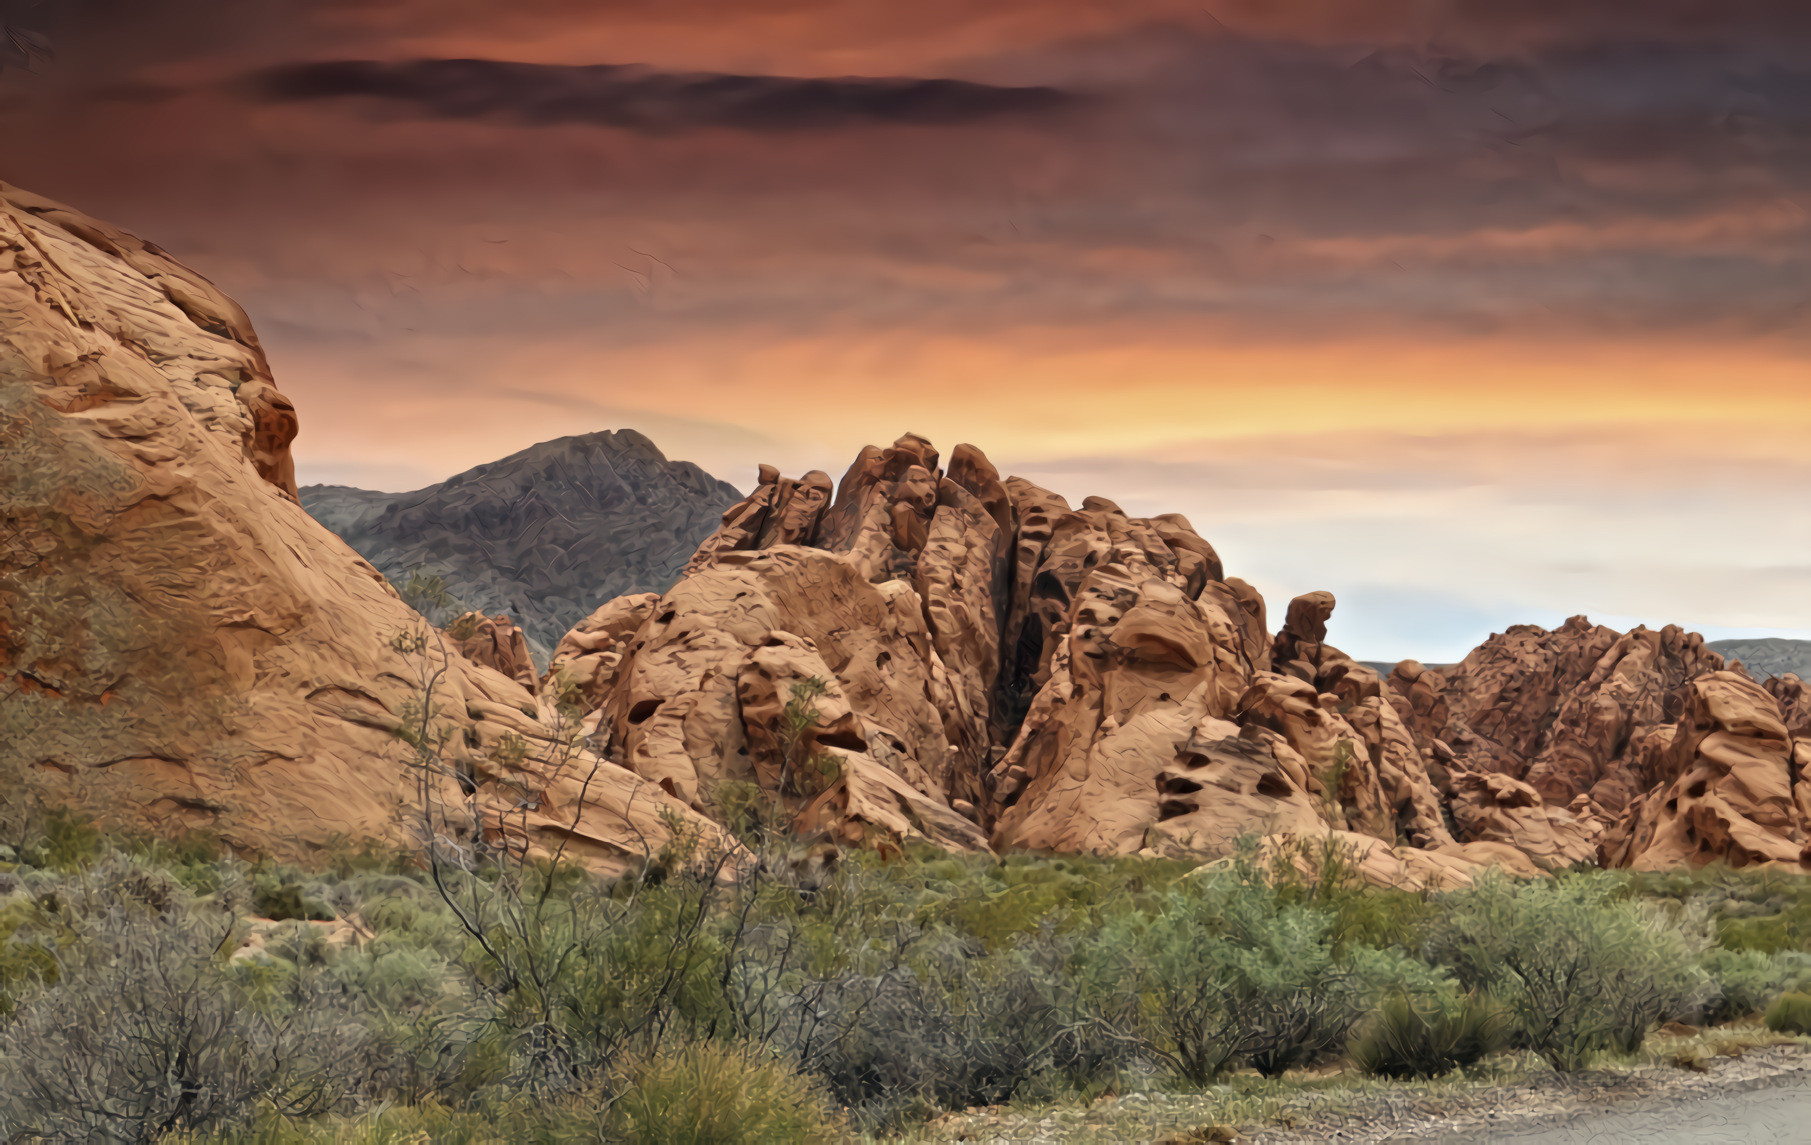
column 154, row 990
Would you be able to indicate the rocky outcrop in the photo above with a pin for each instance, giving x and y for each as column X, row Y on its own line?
column 979, row 664
column 545, row 535
column 1733, row 786
column 181, row 645
column 923, row 651
column 495, row 642
column 1569, row 711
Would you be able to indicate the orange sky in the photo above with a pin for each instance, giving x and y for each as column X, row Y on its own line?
column 1390, row 298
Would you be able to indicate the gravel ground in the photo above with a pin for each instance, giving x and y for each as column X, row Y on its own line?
column 1538, row 1108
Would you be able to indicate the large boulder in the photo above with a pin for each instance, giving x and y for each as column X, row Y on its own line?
column 181, row 645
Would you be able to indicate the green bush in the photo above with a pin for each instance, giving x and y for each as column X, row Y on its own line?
column 1768, row 934
column 1228, row 972
column 960, row 1028
column 59, row 840
column 1410, row 1037
column 146, row 1030
column 282, row 900
column 1790, row 1013
column 708, row 1093
column 1747, row 981
column 1581, row 969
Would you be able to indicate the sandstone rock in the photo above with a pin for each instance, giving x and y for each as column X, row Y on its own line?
column 1228, row 783
column 1489, row 807
column 181, row 645
column 1569, row 710
column 495, row 642
column 1635, row 684
column 1794, row 701
column 1418, row 694
column 707, row 675
column 587, row 661
column 1731, row 787
column 931, row 606
column 1143, row 672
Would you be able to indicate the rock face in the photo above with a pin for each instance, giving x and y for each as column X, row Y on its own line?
column 982, row 665
column 1585, row 745
column 545, row 535
column 181, row 644
column 1733, row 785
column 1569, row 711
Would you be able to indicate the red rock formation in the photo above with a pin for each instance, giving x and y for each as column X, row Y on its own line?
column 983, row 658
column 181, row 645
column 1490, row 807
column 912, row 653
column 1794, row 701
column 1733, row 787
column 1570, row 711
column 495, row 642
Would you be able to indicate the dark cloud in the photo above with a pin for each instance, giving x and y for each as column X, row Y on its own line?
column 642, row 99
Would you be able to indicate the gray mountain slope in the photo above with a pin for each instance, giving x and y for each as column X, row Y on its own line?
column 1771, row 656
column 546, row 535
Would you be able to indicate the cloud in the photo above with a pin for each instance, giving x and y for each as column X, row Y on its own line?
column 646, row 100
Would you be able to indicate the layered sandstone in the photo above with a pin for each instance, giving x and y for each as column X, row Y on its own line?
column 181, row 645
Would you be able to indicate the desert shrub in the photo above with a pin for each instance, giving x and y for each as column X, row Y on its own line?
column 56, row 839
column 1323, row 873
column 958, row 1028
column 1428, row 1037
column 281, row 899
column 705, row 1092
column 1229, row 973
column 1767, row 934
column 148, row 1030
column 1747, row 981
column 1790, row 1013
column 27, row 955
column 1580, row 969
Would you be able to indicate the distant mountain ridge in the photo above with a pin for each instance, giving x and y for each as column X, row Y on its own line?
column 1771, row 656
column 546, row 535
column 1764, row 657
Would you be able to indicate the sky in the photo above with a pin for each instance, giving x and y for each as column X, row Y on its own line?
column 1474, row 312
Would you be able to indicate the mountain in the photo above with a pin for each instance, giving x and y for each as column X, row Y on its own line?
column 545, row 535
column 1768, row 657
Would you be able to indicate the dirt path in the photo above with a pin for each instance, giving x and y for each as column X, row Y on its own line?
column 1761, row 1095
column 1778, row 1114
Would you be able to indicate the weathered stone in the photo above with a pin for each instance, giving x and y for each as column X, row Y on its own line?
column 1731, row 789
column 181, row 645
